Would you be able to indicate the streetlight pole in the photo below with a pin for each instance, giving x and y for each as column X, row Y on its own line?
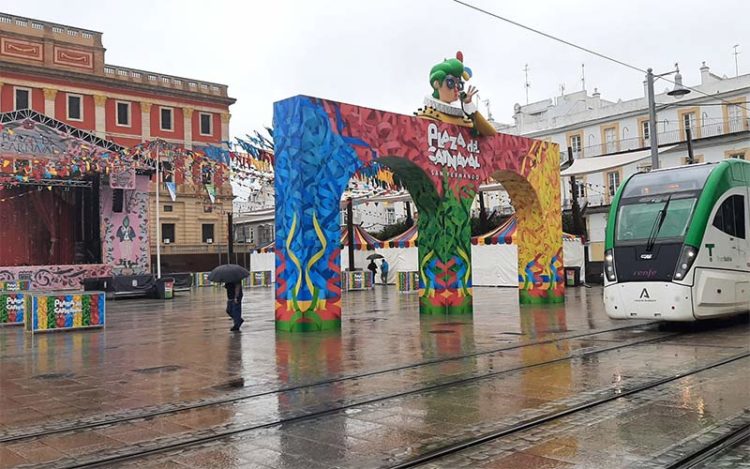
column 158, row 221
column 678, row 91
column 652, row 136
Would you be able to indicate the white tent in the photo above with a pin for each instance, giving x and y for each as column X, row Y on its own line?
column 494, row 265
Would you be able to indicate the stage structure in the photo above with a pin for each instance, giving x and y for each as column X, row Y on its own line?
column 441, row 156
column 74, row 206
column 58, row 216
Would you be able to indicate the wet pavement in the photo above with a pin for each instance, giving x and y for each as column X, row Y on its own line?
column 167, row 385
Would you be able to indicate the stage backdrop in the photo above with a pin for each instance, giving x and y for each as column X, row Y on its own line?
column 124, row 234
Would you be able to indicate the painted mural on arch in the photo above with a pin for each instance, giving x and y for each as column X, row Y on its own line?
column 440, row 156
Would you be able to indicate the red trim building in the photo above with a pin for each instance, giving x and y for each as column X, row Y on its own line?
column 60, row 71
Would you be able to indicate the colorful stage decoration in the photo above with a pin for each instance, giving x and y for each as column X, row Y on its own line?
column 56, row 311
column 56, row 277
column 37, row 148
column 321, row 144
column 13, row 307
column 125, row 234
column 407, row 281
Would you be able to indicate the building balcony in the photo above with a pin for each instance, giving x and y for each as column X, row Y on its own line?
column 594, row 200
column 714, row 129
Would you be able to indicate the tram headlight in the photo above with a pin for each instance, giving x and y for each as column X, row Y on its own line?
column 609, row 265
column 685, row 261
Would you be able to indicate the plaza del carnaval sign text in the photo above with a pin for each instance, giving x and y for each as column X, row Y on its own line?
column 452, row 152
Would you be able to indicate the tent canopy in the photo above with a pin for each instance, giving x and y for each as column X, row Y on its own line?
column 503, row 234
column 598, row 164
column 363, row 241
column 407, row 239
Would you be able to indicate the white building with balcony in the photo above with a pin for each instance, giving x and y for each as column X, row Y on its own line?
column 716, row 113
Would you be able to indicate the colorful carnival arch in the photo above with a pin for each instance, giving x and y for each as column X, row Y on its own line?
column 320, row 144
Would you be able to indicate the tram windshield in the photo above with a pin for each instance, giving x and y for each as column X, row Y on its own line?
column 659, row 205
column 641, row 220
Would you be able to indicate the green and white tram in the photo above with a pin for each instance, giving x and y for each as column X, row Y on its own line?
column 678, row 244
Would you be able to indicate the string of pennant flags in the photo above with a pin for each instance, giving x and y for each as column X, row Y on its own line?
column 247, row 162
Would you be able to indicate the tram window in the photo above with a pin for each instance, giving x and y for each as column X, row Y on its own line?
column 667, row 182
column 730, row 217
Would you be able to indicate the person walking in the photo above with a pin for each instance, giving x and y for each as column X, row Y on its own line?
column 372, row 267
column 384, row 272
column 234, row 304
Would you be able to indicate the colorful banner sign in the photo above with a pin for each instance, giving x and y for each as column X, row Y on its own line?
column 13, row 307
column 59, row 311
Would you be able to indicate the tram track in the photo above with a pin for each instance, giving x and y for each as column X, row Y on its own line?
column 131, row 416
column 177, row 443
column 690, row 461
column 713, row 450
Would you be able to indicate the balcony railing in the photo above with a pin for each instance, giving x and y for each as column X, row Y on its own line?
column 592, row 200
column 665, row 138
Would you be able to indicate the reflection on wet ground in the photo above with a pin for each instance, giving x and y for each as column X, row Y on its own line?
column 387, row 388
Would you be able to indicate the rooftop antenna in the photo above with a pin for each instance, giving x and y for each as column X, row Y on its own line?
column 527, row 85
column 583, row 77
column 562, row 89
column 736, row 64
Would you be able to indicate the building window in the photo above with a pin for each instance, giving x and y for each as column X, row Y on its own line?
column 208, row 233
column 734, row 113
column 168, row 208
column 22, row 99
column 610, row 139
column 730, row 216
column 123, row 114
column 579, row 190
column 613, row 182
column 390, row 215
column 206, row 123
column 646, row 131
column 737, row 156
column 251, row 235
column 167, row 233
column 576, row 145
column 165, row 121
column 74, row 107
column 688, row 122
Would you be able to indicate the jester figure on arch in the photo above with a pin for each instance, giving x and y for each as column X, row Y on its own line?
column 441, row 156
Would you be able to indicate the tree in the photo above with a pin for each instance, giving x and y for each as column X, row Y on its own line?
column 390, row 231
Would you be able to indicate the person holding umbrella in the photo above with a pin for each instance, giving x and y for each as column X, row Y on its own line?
column 372, row 266
column 231, row 276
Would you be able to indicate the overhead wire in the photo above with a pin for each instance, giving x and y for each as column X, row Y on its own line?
column 589, row 51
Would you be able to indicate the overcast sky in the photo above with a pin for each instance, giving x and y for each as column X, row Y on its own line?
column 378, row 53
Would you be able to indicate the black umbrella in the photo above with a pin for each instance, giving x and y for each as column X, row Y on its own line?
column 372, row 257
column 228, row 273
